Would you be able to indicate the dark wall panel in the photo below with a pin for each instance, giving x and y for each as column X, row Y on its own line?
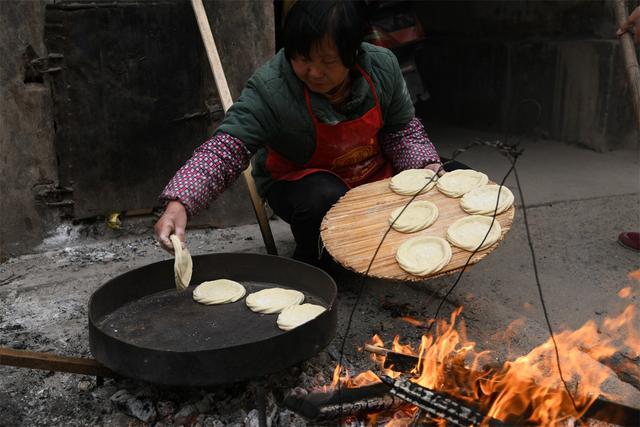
column 131, row 102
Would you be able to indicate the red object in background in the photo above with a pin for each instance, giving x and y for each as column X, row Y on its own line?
column 630, row 240
column 394, row 30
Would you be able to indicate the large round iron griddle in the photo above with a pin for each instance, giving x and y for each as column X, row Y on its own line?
column 141, row 327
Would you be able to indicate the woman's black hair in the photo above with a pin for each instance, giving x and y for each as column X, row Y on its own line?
column 310, row 21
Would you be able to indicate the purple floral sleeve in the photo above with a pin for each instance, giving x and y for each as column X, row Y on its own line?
column 212, row 168
column 409, row 148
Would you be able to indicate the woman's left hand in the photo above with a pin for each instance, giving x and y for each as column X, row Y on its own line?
column 437, row 168
column 632, row 25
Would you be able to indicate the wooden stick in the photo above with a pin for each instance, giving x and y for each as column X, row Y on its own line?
column 629, row 57
column 53, row 362
column 227, row 101
column 380, row 351
column 399, row 361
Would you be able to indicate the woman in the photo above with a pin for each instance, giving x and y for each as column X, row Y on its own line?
column 326, row 114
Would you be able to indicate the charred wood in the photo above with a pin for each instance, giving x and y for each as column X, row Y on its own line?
column 336, row 404
column 626, row 368
column 438, row 405
column 399, row 362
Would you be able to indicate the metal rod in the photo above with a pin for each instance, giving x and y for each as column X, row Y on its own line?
column 261, row 403
column 227, row 101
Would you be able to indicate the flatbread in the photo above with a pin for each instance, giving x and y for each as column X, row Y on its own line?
column 417, row 216
column 467, row 233
column 183, row 265
column 458, row 182
column 423, row 255
column 273, row 300
column 409, row 182
column 482, row 200
column 296, row 315
column 221, row 291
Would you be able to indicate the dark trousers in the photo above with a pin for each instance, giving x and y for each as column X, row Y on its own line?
column 303, row 204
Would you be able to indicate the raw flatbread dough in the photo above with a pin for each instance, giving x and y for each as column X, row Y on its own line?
column 409, row 182
column 482, row 200
column 417, row 216
column 183, row 265
column 423, row 255
column 221, row 291
column 273, row 300
column 458, row 182
column 296, row 315
column 468, row 232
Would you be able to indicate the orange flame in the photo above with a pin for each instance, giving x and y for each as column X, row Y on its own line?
column 624, row 326
column 625, row 292
column 415, row 322
column 336, row 375
column 526, row 390
column 401, row 348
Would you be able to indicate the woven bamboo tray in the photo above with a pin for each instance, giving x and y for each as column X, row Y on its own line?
column 352, row 229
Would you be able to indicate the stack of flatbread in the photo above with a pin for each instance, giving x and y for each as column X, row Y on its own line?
column 467, row 233
column 296, row 315
column 412, row 181
column 459, row 182
column 221, row 291
column 483, row 200
column 183, row 265
column 417, row 216
column 423, row 255
column 286, row 302
column 273, row 300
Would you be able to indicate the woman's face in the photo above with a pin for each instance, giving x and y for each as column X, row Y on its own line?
column 323, row 70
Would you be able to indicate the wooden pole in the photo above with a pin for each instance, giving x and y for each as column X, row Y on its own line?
column 53, row 362
column 630, row 57
column 227, row 101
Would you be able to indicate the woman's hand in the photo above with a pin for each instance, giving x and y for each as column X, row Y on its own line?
column 436, row 167
column 172, row 221
column 632, row 25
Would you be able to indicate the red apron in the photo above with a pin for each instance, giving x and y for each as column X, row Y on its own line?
column 349, row 149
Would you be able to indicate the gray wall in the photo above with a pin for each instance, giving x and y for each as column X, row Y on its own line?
column 551, row 68
column 27, row 159
column 41, row 125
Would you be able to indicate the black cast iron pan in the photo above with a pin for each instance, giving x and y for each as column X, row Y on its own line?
column 141, row 327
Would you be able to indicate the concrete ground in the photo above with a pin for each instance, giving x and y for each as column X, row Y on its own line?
column 578, row 201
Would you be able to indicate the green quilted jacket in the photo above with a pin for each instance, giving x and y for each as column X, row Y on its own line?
column 271, row 111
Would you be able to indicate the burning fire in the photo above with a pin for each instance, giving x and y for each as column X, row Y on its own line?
column 415, row 322
column 525, row 390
